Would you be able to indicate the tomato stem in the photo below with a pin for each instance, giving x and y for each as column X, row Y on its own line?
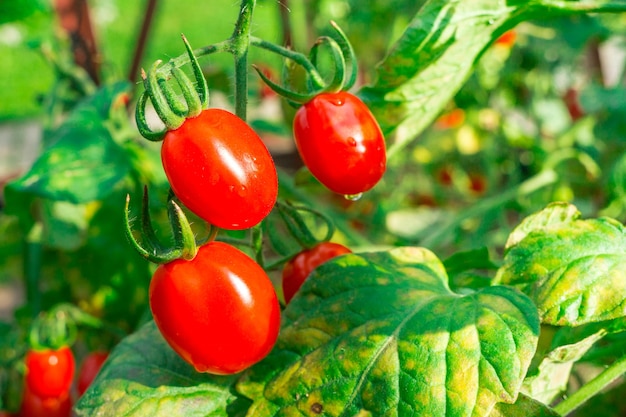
column 32, row 267
column 591, row 388
column 316, row 79
column 240, row 41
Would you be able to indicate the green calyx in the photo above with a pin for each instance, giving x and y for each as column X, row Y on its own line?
column 52, row 330
column 166, row 101
column 343, row 60
column 185, row 244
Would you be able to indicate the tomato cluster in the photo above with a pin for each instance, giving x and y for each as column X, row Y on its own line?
column 49, row 377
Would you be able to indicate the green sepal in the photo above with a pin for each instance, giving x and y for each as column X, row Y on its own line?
column 175, row 105
column 52, row 330
column 159, row 99
column 183, row 235
column 202, row 87
column 194, row 103
column 142, row 123
column 348, row 55
column 290, row 95
column 185, row 245
column 339, row 76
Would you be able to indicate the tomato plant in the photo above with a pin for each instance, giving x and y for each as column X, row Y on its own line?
column 49, row 372
column 219, row 311
column 484, row 139
column 220, row 169
column 340, row 142
column 300, row 266
column 89, row 368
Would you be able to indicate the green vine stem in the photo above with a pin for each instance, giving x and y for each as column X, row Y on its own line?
column 240, row 44
column 591, row 388
column 32, row 267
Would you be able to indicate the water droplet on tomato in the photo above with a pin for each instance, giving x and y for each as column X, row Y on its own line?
column 242, row 191
column 337, row 101
column 352, row 141
column 353, row 197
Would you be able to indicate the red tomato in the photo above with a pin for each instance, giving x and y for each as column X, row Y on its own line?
column 89, row 369
column 507, row 39
column 220, row 169
column 453, row 119
column 340, row 142
column 36, row 406
column 49, row 373
column 573, row 104
column 219, row 311
column 300, row 266
column 477, row 184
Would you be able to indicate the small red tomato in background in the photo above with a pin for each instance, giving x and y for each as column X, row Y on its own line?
column 570, row 98
column 220, row 169
column 36, row 406
column 477, row 183
column 340, row 142
column 507, row 39
column 218, row 311
column 300, row 266
column 450, row 120
column 89, row 369
column 49, row 372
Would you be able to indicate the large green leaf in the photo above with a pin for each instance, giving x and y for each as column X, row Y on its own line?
column 435, row 55
column 144, row 377
column 381, row 334
column 573, row 269
column 84, row 163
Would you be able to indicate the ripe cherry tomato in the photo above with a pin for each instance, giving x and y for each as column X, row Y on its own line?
column 507, row 39
column 89, row 369
column 49, row 372
column 36, row 406
column 451, row 120
column 219, row 311
column 300, row 266
column 220, row 169
column 340, row 142
column 572, row 102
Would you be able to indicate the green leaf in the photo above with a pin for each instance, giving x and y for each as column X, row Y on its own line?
column 553, row 215
column 145, row 377
column 573, row 269
column 12, row 10
column 436, row 54
column 381, row 334
column 523, row 407
column 83, row 163
column 554, row 371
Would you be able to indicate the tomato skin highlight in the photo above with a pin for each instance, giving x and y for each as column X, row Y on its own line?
column 340, row 142
column 219, row 311
column 89, row 369
column 220, row 169
column 296, row 271
column 49, row 372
